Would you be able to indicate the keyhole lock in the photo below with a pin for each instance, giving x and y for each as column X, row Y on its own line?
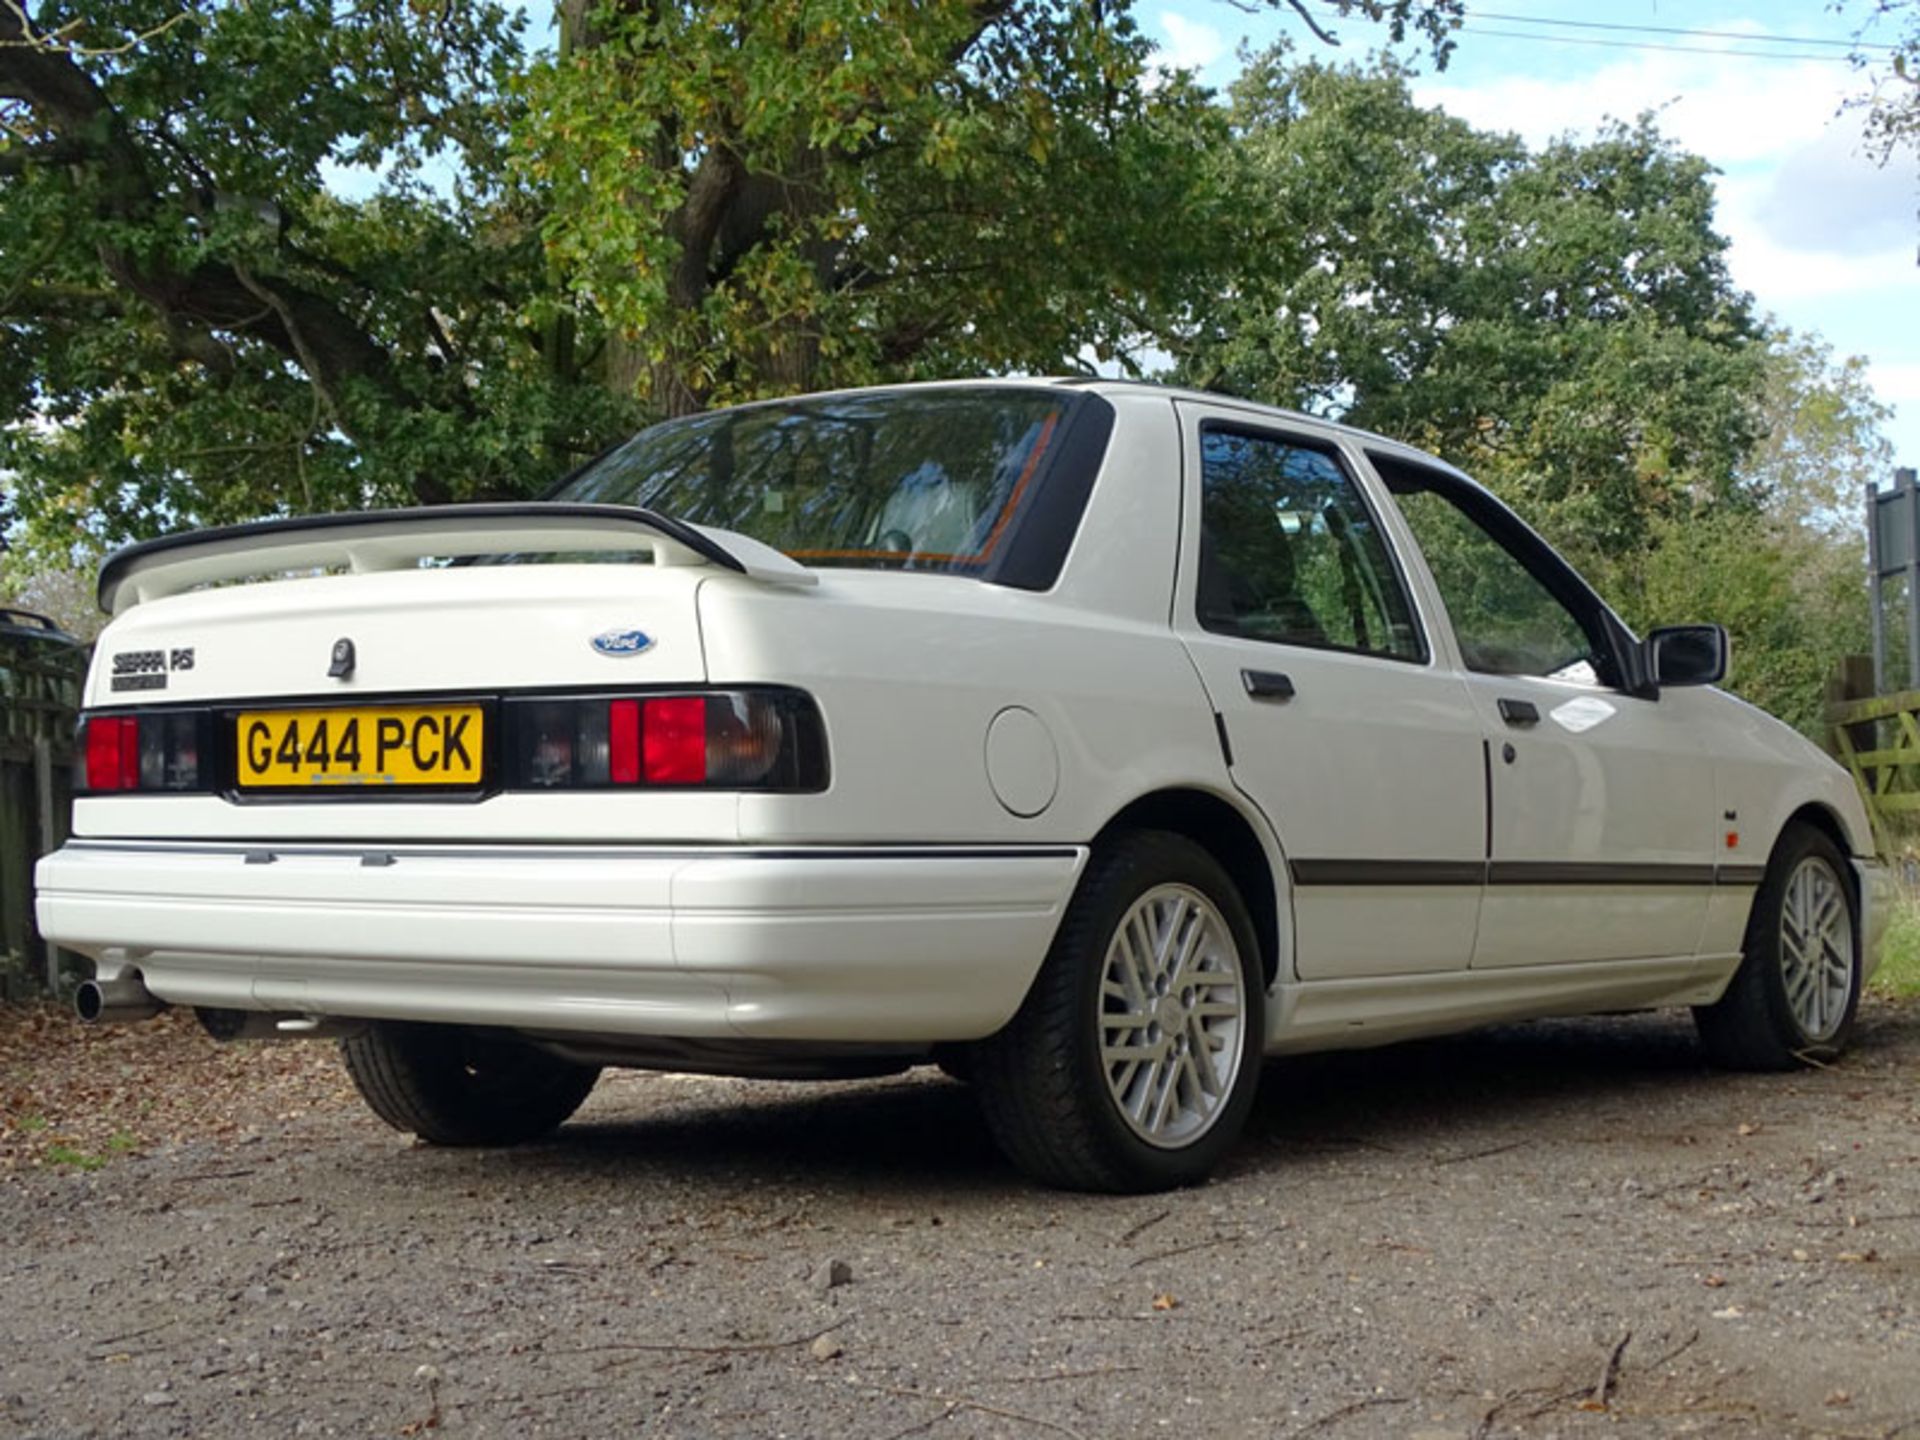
column 1507, row 752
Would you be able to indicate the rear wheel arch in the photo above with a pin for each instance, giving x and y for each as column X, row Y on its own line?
column 1132, row 1063
column 1224, row 831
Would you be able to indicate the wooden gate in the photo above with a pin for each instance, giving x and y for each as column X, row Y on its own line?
column 1879, row 741
column 40, row 673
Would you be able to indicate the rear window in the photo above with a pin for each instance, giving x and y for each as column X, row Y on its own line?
column 931, row 480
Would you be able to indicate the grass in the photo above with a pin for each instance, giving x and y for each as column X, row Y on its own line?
column 79, row 1159
column 1899, row 973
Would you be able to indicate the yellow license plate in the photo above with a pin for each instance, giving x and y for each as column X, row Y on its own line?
column 388, row 745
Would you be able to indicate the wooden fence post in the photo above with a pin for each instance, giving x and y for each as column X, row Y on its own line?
column 40, row 675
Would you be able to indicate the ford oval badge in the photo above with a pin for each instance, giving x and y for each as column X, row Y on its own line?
column 622, row 642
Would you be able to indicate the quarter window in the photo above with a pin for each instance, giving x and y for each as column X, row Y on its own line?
column 1289, row 551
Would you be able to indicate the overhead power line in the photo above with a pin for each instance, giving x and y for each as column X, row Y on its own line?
column 1535, row 35
column 1850, row 46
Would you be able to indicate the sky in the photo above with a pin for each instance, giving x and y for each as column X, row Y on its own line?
column 1822, row 236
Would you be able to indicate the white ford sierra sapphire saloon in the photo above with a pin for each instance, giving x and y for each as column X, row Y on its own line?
column 1089, row 739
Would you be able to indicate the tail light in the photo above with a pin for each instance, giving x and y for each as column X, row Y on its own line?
column 716, row 739
column 153, row 751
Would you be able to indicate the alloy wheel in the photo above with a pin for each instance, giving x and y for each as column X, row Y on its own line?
column 1172, row 1016
column 1816, row 948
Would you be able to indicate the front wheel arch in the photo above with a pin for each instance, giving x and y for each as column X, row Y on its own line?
column 1760, row 1021
column 1821, row 817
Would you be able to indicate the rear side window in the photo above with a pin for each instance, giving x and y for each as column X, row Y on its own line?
column 1290, row 551
column 943, row 480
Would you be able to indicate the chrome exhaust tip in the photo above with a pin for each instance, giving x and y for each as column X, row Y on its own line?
column 116, row 1001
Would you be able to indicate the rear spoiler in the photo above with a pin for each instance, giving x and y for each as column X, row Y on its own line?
column 372, row 540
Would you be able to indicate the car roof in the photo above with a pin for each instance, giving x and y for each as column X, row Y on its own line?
column 1368, row 439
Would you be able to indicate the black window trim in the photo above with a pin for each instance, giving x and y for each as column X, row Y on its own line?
column 1547, row 566
column 1254, row 429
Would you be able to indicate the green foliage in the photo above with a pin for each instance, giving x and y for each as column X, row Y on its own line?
column 1822, row 441
column 77, row 1159
column 1784, row 569
column 211, row 311
column 63, row 593
column 1559, row 323
column 195, row 328
column 1892, row 100
column 787, row 195
column 1899, row 972
column 1749, row 572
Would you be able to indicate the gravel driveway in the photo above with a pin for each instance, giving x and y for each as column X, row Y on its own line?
column 1566, row 1229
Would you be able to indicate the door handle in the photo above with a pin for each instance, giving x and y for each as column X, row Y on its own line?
column 1519, row 712
column 1267, row 684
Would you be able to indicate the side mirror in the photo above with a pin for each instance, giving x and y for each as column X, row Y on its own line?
column 1687, row 655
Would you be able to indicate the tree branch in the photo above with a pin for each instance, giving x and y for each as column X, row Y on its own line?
column 309, row 360
column 57, row 41
column 986, row 13
column 17, row 160
column 32, row 299
column 303, row 325
column 1299, row 7
column 696, row 224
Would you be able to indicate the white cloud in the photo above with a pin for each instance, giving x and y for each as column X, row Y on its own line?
column 1808, row 215
column 1832, row 197
column 1897, row 383
column 1776, row 263
column 1732, row 113
column 1188, row 44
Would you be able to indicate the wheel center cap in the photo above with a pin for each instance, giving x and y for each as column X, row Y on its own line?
column 1171, row 1014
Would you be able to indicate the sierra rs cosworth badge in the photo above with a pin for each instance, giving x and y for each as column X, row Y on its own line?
column 148, row 669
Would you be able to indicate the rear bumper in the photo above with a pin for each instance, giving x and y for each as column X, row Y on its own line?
column 887, row 944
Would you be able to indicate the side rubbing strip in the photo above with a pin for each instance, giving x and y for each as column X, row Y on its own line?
column 1515, row 872
column 1554, row 872
column 1388, row 872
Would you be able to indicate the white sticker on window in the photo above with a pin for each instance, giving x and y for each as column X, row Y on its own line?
column 1581, row 713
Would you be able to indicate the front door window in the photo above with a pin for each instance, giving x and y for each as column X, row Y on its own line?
column 1506, row 621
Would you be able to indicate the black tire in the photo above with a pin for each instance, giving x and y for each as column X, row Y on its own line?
column 454, row 1086
column 1755, row 1025
column 1041, row 1082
